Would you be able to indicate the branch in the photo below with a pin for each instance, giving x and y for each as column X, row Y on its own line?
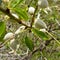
column 7, row 12
column 34, row 15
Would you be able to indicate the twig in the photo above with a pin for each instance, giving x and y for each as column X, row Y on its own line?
column 30, row 3
column 53, row 37
column 34, row 15
column 7, row 12
column 3, row 44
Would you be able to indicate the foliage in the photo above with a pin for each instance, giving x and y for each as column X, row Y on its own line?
column 42, row 44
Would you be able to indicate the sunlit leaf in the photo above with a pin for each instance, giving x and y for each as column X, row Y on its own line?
column 22, row 13
column 14, row 3
column 2, row 30
column 40, row 34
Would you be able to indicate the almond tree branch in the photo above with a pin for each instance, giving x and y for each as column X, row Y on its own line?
column 7, row 12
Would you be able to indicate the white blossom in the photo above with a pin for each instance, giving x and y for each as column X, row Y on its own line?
column 20, row 29
column 31, row 10
column 15, row 15
column 9, row 35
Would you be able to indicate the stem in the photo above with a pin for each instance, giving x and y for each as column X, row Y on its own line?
column 34, row 15
column 7, row 12
column 53, row 37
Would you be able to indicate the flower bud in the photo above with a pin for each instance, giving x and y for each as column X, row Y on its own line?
column 20, row 29
column 31, row 10
column 9, row 35
column 43, row 3
column 39, row 23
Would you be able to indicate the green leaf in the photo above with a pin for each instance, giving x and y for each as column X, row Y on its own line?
column 29, row 43
column 41, row 34
column 22, row 13
column 14, row 3
column 2, row 31
column 2, row 28
column 2, row 36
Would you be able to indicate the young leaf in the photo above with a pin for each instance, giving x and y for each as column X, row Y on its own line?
column 2, row 36
column 29, row 43
column 40, row 34
column 22, row 13
column 14, row 3
column 2, row 30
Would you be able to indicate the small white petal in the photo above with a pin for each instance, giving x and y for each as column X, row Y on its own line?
column 15, row 16
column 9, row 35
column 45, row 11
column 43, row 30
column 11, row 52
column 20, row 29
column 31, row 10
